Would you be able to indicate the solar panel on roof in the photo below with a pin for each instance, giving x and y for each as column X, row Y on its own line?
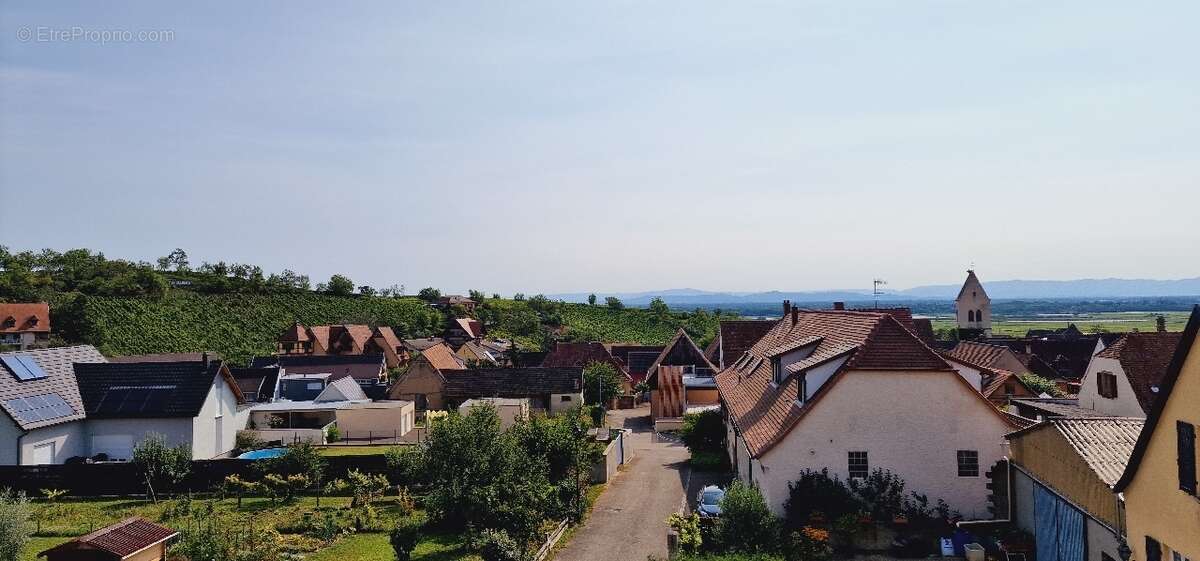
column 32, row 366
column 37, row 408
column 19, row 368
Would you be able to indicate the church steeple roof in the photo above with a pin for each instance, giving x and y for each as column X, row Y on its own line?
column 972, row 280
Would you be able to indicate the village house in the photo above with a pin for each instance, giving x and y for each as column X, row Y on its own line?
column 486, row 352
column 24, row 326
column 341, row 339
column 999, row 386
column 1125, row 378
column 339, row 404
column 367, row 369
column 460, row 330
column 550, row 390
column 425, row 380
column 681, row 379
column 197, row 404
column 579, row 355
column 1062, row 482
column 452, row 300
column 855, row 391
column 132, row 539
column 1162, row 505
column 43, row 413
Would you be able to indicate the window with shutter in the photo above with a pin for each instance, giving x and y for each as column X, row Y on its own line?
column 1186, row 436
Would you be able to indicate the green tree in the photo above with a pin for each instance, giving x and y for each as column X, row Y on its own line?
column 16, row 524
column 429, row 294
column 591, row 299
column 746, row 524
column 161, row 466
column 601, row 383
column 561, row 445
column 366, row 290
column 614, row 303
column 340, row 285
column 1040, row 385
column 479, row 477
column 704, row 432
column 659, row 308
column 405, row 536
column 476, row 295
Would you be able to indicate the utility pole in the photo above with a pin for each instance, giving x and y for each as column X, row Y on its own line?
column 876, row 291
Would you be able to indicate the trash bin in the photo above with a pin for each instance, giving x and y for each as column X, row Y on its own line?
column 973, row 551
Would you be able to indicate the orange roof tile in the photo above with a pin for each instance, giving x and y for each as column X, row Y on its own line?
column 25, row 317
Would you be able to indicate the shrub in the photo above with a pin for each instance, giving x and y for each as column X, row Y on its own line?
column 1040, row 385
column 16, row 523
column 703, row 432
column 285, row 488
column 405, row 536
column 746, row 524
column 240, row 487
column 881, row 494
column 818, row 492
column 365, row 488
column 161, row 466
column 298, row 459
column 688, row 528
column 247, row 440
column 809, row 544
column 333, row 434
column 496, row 545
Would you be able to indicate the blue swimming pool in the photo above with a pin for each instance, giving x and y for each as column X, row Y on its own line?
column 262, row 454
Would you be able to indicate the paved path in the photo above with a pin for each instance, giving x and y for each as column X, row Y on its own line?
column 628, row 521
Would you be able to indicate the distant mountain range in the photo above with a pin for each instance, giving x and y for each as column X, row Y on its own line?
column 998, row 290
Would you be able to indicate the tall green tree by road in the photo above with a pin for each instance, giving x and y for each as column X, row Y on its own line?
column 601, row 383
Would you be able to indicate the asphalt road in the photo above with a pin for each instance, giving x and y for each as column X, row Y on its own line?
column 628, row 521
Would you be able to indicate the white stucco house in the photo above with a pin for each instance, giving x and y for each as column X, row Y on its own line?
column 339, row 402
column 194, row 403
column 1123, row 379
column 855, row 391
column 42, row 414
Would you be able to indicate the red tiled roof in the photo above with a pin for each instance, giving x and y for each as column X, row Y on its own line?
column 980, row 354
column 1144, row 357
column 874, row 341
column 24, row 316
column 389, row 337
column 295, row 333
column 122, row 539
column 580, row 355
column 471, row 326
column 360, row 334
column 440, row 356
column 998, row 378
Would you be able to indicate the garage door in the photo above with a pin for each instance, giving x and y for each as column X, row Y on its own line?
column 1059, row 527
column 117, row 446
column 43, row 453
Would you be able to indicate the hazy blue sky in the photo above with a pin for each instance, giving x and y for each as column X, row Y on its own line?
column 612, row 146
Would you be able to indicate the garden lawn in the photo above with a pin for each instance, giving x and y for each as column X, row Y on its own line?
column 376, row 547
column 353, row 450
column 37, row 545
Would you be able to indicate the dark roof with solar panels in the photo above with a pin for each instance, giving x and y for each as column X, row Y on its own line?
column 145, row 389
column 37, row 386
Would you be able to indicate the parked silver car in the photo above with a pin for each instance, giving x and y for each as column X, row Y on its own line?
column 708, row 501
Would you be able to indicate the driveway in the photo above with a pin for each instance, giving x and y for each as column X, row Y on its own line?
column 628, row 521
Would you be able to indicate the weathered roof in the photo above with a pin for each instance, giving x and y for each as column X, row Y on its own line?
column 148, row 389
column 295, row 333
column 580, row 355
column 873, row 341
column 1144, row 358
column 1057, row 407
column 164, row 357
column 343, row 388
column 122, row 539
column 60, row 380
column 981, row 354
column 361, row 367
column 998, row 378
column 735, row 337
column 1186, row 343
column 1105, row 443
column 681, row 351
column 513, row 382
column 472, row 326
column 34, row 317
column 422, row 343
column 441, row 357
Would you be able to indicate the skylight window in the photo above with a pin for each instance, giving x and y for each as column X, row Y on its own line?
column 23, row 367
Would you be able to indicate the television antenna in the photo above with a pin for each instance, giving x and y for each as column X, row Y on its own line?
column 876, row 291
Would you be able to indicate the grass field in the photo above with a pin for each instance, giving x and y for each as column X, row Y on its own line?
column 354, row 450
column 70, row 518
column 1107, row 322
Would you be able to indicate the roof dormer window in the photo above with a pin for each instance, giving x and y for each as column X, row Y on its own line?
column 33, row 321
column 10, row 322
column 777, row 370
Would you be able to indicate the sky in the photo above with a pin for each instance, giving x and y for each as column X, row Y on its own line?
column 609, row 146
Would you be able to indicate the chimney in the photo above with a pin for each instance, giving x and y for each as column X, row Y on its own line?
column 839, row 306
column 1161, row 323
column 787, row 307
column 795, row 315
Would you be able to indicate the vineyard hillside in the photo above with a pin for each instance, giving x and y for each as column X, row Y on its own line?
column 240, row 326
